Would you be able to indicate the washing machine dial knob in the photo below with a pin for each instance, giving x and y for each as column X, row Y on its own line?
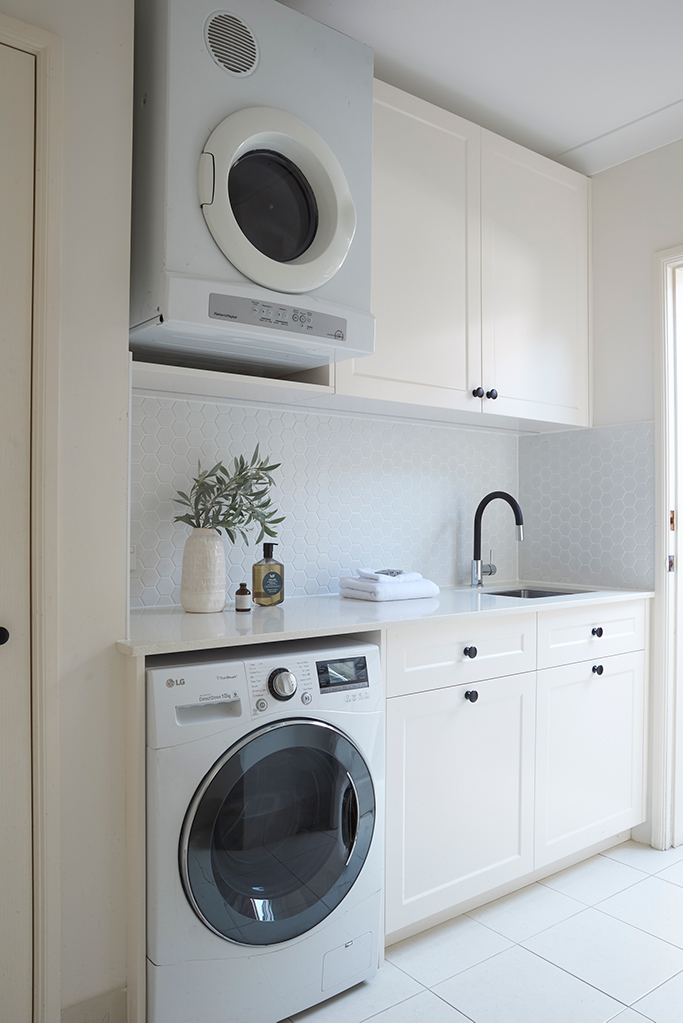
column 282, row 684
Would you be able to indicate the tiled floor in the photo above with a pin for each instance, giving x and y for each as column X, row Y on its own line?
column 600, row 941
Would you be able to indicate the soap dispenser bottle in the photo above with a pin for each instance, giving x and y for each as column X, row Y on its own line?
column 268, row 579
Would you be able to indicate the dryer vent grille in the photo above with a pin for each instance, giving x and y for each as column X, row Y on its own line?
column 231, row 44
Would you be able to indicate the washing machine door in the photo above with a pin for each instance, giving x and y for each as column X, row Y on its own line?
column 276, row 200
column 277, row 832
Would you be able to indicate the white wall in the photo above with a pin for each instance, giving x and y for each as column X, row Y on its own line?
column 637, row 211
column 92, row 478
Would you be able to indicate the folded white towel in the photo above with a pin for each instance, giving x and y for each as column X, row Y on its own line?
column 359, row 590
column 376, row 576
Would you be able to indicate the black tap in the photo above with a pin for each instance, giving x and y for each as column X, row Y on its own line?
column 477, row 570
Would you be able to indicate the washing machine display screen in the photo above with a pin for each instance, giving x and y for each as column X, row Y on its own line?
column 273, row 204
column 337, row 676
column 277, row 832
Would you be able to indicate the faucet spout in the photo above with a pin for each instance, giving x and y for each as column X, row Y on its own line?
column 477, row 570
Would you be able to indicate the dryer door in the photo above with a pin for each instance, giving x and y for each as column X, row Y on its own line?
column 277, row 832
column 276, row 200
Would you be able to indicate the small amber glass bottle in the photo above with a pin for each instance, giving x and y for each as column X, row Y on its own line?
column 268, row 579
column 243, row 598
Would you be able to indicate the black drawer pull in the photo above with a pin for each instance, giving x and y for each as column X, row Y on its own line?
column 598, row 669
column 470, row 651
column 4, row 635
column 597, row 632
column 472, row 695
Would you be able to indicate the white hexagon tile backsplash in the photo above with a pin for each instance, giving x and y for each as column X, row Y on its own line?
column 359, row 491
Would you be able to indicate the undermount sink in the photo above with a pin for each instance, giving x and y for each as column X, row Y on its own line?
column 528, row 593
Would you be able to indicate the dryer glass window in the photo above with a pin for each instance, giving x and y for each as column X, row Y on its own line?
column 273, row 204
column 278, row 832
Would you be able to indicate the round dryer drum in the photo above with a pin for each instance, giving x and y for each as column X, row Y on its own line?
column 276, row 200
column 277, row 832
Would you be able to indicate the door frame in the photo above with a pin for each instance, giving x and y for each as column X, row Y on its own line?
column 47, row 50
column 666, row 810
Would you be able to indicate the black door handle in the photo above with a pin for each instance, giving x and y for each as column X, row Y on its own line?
column 4, row 635
column 597, row 632
column 478, row 392
column 470, row 651
column 598, row 669
column 472, row 695
column 493, row 393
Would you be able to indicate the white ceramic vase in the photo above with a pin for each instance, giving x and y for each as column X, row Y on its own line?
column 202, row 587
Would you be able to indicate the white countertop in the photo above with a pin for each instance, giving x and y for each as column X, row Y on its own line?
column 170, row 630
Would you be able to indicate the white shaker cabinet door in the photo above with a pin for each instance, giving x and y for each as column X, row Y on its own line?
column 534, row 285
column 425, row 258
column 589, row 753
column 460, row 793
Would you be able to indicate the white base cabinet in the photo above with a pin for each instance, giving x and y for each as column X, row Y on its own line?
column 460, row 803
column 540, row 765
column 589, row 753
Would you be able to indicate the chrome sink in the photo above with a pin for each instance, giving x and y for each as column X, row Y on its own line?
column 530, row 594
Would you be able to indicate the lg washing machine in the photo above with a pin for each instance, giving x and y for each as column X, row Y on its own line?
column 265, row 794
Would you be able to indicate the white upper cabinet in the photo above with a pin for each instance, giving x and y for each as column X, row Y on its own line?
column 425, row 257
column 479, row 271
column 534, row 216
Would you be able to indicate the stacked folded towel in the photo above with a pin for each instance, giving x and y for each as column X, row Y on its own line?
column 386, row 584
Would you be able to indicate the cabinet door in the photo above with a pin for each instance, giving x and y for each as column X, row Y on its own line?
column 589, row 753
column 460, row 792
column 431, row 654
column 534, row 284
column 425, row 258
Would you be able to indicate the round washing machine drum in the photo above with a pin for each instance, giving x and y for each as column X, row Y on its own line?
column 276, row 200
column 277, row 832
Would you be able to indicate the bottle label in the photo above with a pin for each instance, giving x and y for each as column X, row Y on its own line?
column 272, row 583
column 242, row 602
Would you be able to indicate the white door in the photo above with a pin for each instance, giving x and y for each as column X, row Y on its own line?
column 460, row 794
column 589, row 753
column 534, row 224
column 17, row 71
column 425, row 258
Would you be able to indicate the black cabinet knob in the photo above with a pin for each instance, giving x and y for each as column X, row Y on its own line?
column 598, row 669
column 4, row 635
column 493, row 393
column 470, row 651
column 472, row 695
column 478, row 392
column 597, row 632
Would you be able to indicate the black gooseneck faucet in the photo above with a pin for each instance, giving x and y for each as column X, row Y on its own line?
column 479, row 570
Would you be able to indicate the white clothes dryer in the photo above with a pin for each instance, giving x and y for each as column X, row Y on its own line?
column 265, row 795
column 251, row 188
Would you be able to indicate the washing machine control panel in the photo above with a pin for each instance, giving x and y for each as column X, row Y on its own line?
column 342, row 681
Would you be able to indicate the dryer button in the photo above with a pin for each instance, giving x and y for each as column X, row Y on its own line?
column 306, row 698
column 262, row 704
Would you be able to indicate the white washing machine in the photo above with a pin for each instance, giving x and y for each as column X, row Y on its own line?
column 251, row 188
column 265, row 794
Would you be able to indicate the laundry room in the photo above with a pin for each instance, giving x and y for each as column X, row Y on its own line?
column 393, row 362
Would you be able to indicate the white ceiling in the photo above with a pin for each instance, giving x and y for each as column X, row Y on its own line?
column 590, row 83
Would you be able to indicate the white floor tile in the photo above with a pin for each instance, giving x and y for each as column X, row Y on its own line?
column 518, row 987
column 673, row 874
column 526, row 912
column 654, row 905
column 389, row 987
column 609, row 954
column 665, row 1005
column 594, row 879
column 450, row 948
column 424, row 1008
column 643, row 857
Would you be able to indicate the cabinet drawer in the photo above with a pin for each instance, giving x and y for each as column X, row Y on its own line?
column 580, row 633
column 430, row 655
